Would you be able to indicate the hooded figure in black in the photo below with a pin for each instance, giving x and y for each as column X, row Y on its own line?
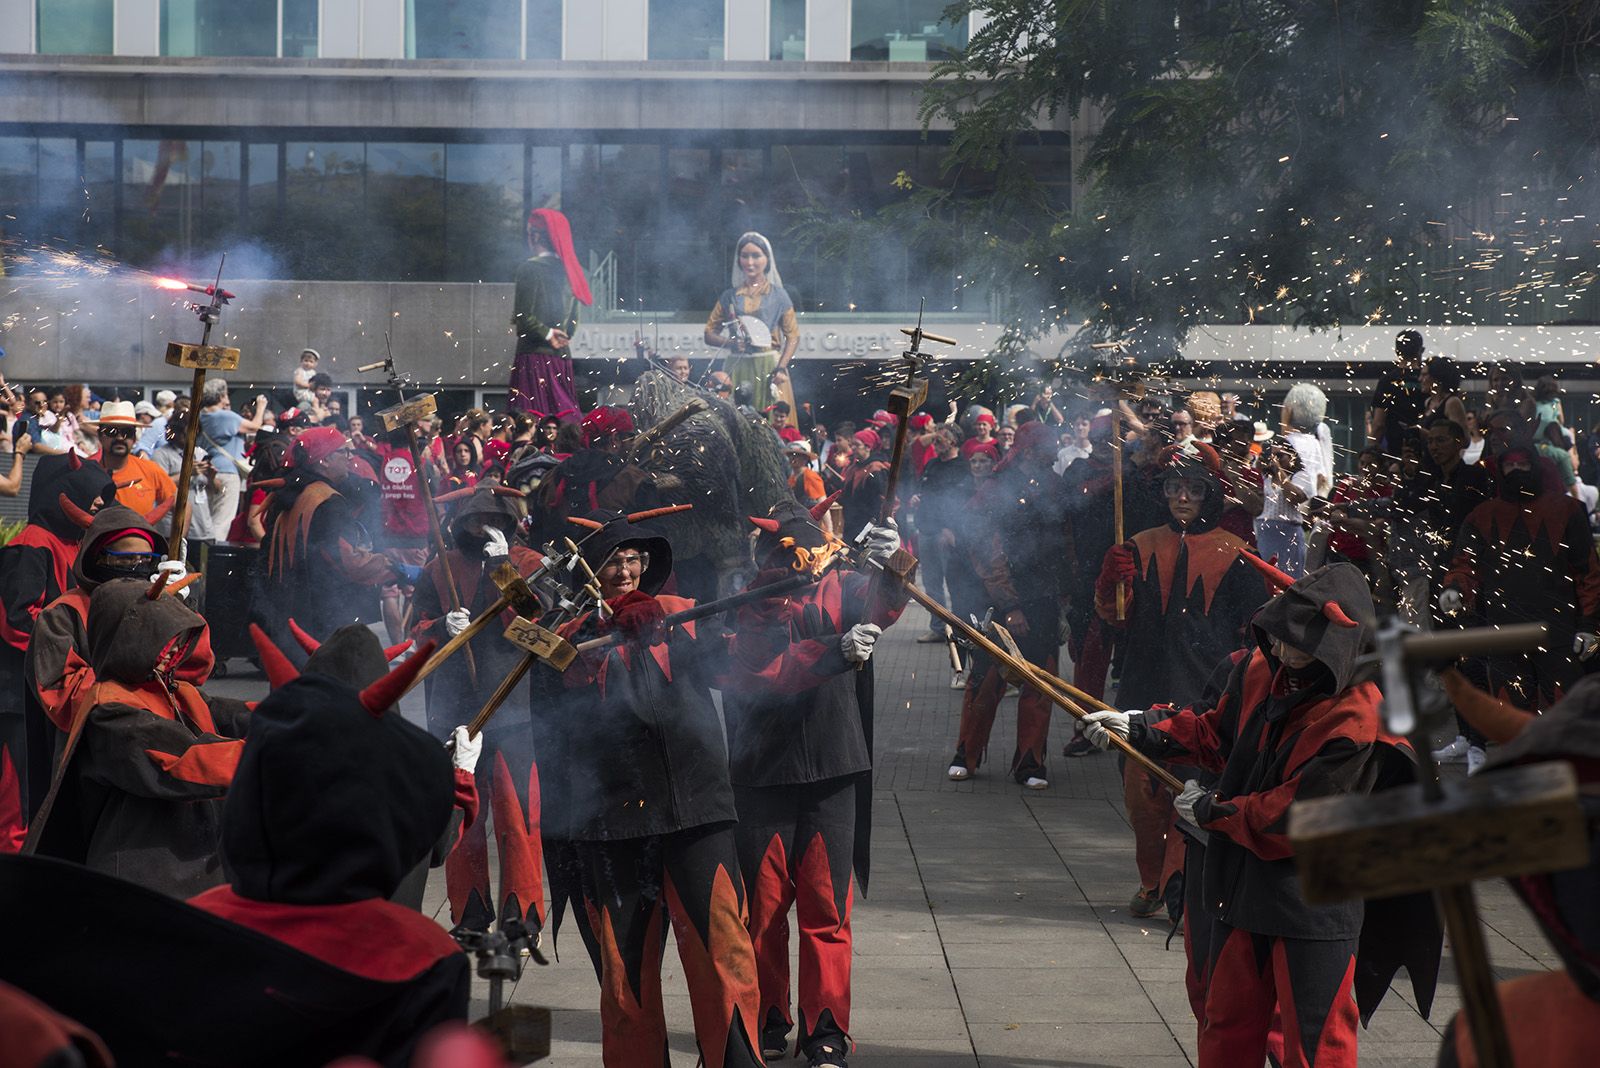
column 34, row 571
column 119, row 543
column 799, row 717
column 147, row 757
column 335, row 800
column 1553, row 1016
column 1299, row 718
column 483, row 532
column 1188, row 595
column 636, row 778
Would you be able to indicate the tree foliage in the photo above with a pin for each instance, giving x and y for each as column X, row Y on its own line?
column 1315, row 163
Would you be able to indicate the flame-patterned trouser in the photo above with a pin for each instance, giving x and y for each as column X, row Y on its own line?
column 13, row 782
column 1256, row 980
column 630, row 887
column 508, row 786
column 796, row 844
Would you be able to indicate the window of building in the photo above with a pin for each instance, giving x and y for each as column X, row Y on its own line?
column 405, row 209
column 686, row 29
column 300, row 29
column 902, row 31
column 788, row 20
column 323, row 228
column 74, row 27
column 178, row 198
column 463, row 29
column 19, row 183
column 262, row 190
column 219, row 27
column 484, row 233
column 544, row 29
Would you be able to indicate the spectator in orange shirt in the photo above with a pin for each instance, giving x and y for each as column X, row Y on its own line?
column 141, row 484
column 804, row 479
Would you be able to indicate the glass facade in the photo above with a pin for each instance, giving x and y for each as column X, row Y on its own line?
column 74, row 27
column 788, row 24
column 904, row 31
column 663, row 208
column 219, row 27
column 544, row 20
column 463, row 29
column 686, row 29
column 300, row 29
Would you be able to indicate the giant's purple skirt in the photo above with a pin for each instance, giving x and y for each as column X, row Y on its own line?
column 542, row 385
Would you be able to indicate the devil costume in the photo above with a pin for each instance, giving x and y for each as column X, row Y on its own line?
column 505, row 771
column 1278, row 734
column 1553, row 1016
column 1017, row 549
column 147, row 756
column 319, row 553
column 1525, row 556
column 548, row 287
column 800, row 739
column 299, row 960
column 34, row 571
column 642, row 778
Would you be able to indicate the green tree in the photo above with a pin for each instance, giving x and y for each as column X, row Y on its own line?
column 1315, row 163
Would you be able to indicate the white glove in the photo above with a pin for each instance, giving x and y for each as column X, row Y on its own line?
column 1450, row 602
column 174, row 570
column 456, row 622
column 1099, row 726
column 1585, row 643
column 879, row 542
column 467, row 750
column 1185, row 802
column 857, row 643
column 494, row 543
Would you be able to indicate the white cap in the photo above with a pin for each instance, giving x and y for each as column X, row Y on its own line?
column 146, row 408
column 165, row 398
column 1262, row 433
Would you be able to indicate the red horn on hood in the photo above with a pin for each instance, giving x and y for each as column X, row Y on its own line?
column 767, row 524
column 820, row 509
column 1334, row 611
column 159, row 512
column 1281, row 579
column 74, row 461
column 392, row 651
column 591, row 524
column 77, row 516
column 504, row 491
column 280, row 672
column 269, row 483
column 307, row 642
column 671, row 509
column 455, row 495
column 158, row 584
column 381, row 695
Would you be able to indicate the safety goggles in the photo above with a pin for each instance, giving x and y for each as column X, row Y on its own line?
column 1193, row 488
column 629, row 561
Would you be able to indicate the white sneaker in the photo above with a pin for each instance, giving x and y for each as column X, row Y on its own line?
column 1475, row 758
column 958, row 681
column 1454, row 753
column 1033, row 782
column 959, row 773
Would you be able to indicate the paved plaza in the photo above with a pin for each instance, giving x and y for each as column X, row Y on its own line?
column 995, row 933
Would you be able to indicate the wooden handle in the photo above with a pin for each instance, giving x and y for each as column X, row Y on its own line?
column 448, row 649
column 1033, row 675
column 1441, row 645
column 440, row 549
column 1118, row 533
column 498, row 698
column 180, row 508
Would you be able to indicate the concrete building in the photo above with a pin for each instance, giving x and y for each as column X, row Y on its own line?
column 367, row 165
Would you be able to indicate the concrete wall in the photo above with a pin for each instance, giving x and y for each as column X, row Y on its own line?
column 607, row 94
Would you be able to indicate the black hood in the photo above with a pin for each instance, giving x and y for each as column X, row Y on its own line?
column 330, row 803
column 794, row 521
column 81, row 480
column 1566, row 904
column 493, row 508
column 618, row 532
column 109, row 522
column 128, row 633
column 1202, row 467
column 1300, row 617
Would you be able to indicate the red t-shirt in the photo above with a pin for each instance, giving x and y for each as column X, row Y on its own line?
column 405, row 511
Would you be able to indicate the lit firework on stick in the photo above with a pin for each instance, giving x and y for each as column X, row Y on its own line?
column 219, row 295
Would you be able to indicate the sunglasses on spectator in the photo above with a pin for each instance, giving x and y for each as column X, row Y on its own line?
column 116, row 432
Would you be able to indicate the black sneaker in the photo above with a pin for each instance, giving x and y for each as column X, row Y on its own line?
column 774, row 1037
column 1079, row 747
column 826, row 1055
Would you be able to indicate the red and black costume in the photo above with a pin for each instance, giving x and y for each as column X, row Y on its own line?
column 321, row 568
column 800, row 756
column 299, row 960
column 35, row 570
column 1276, row 735
column 642, row 778
column 861, row 496
column 1016, row 546
column 1552, row 1017
column 62, row 628
column 1527, row 555
column 1188, row 598
column 505, row 773
column 147, row 757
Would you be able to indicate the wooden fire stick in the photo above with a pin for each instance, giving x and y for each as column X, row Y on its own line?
column 439, row 547
column 1116, row 497
column 1029, row 672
